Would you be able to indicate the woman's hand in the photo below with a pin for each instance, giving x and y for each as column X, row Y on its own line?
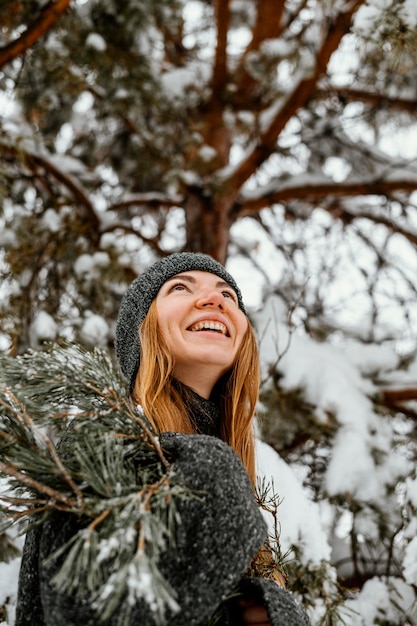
column 253, row 614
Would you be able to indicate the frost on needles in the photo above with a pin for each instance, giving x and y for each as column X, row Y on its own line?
column 128, row 516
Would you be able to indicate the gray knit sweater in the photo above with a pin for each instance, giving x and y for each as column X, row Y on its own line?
column 217, row 538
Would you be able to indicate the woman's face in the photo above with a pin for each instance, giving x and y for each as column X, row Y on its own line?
column 199, row 316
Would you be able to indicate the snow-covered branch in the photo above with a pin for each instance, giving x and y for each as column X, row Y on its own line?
column 47, row 17
column 370, row 98
column 300, row 94
column 325, row 189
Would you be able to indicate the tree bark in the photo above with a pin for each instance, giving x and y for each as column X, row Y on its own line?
column 207, row 224
column 47, row 17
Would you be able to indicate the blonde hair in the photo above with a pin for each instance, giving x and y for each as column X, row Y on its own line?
column 237, row 391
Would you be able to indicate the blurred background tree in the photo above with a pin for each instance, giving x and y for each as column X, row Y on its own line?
column 279, row 137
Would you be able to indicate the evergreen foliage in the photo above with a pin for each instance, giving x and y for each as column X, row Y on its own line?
column 128, row 516
column 108, row 471
column 279, row 136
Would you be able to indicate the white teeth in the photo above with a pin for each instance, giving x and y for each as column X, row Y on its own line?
column 209, row 325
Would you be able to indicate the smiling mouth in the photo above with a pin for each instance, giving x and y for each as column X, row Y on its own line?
column 216, row 327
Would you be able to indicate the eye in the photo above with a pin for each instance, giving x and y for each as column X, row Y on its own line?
column 178, row 287
column 230, row 294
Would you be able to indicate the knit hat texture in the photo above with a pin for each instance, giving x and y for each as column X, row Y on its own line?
column 141, row 293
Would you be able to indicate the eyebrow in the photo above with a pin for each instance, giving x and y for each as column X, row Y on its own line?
column 191, row 279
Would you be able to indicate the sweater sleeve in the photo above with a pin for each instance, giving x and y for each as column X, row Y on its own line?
column 29, row 608
column 219, row 535
column 219, row 532
column 283, row 609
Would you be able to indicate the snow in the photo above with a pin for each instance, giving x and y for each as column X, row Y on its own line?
column 9, row 573
column 365, row 18
column 51, row 220
column 331, row 381
column 411, row 486
column 295, row 508
column 43, row 328
column 176, row 81
column 96, row 41
column 371, row 358
column 94, row 330
column 207, row 153
column 369, row 17
column 336, row 379
column 409, row 13
column 67, row 164
column 87, row 265
column 7, row 237
column 410, row 562
column 373, row 605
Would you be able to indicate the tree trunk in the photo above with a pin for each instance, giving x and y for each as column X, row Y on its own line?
column 208, row 224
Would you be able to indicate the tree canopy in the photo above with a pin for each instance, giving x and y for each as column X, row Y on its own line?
column 279, row 137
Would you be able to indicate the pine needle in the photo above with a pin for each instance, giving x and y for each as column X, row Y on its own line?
column 108, row 469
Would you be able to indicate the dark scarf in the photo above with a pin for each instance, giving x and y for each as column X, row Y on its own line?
column 204, row 414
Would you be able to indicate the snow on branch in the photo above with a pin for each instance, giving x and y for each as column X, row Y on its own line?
column 301, row 93
column 302, row 189
column 35, row 160
column 90, row 475
column 367, row 97
column 47, row 17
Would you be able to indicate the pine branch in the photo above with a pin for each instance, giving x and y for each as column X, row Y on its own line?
column 20, row 413
column 37, row 161
column 269, row 562
column 108, row 470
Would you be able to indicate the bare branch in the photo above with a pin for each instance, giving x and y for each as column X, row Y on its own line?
column 151, row 200
column 47, row 17
column 367, row 97
column 251, row 206
column 399, row 395
column 399, row 400
column 268, row 24
column 220, row 61
column 300, row 95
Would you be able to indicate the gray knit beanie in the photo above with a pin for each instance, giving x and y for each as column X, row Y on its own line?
column 140, row 295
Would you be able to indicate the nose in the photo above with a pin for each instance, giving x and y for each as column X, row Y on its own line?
column 210, row 297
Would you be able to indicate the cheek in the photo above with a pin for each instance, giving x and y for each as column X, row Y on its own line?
column 243, row 326
column 166, row 330
column 162, row 313
column 169, row 320
column 163, row 321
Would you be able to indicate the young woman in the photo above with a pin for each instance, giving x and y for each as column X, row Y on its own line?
column 189, row 354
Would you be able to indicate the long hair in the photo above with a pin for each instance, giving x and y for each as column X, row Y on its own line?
column 236, row 392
